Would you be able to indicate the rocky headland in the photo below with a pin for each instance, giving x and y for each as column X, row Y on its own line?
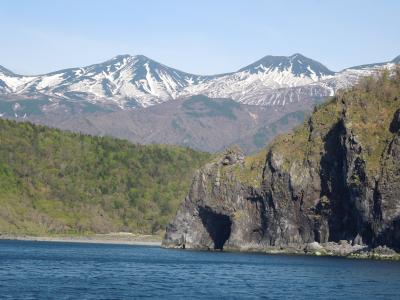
column 331, row 187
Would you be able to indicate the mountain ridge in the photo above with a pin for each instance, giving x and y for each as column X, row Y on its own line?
column 127, row 81
column 198, row 122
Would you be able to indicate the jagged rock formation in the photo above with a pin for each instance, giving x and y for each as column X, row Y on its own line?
column 219, row 210
column 336, row 179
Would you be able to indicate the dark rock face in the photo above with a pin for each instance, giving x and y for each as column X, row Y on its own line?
column 395, row 124
column 219, row 212
column 331, row 202
column 335, row 200
column 336, row 179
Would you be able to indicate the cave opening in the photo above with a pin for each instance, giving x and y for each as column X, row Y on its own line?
column 217, row 225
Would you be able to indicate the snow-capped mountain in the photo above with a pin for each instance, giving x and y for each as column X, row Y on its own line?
column 271, row 80
column 127, row 81
column 137, row 81
column 297, row 64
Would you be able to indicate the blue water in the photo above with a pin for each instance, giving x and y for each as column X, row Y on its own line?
column 41, row 270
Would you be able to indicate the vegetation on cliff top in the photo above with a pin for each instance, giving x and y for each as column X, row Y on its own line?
column 366, row 110
column 59, row 182
column 250, row 172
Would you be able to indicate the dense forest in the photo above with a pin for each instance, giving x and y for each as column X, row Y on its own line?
column 56, row 182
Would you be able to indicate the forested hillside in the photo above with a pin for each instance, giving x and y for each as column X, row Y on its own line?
column 53, row 182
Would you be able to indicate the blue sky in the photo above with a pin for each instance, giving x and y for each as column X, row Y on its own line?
column 202, row 37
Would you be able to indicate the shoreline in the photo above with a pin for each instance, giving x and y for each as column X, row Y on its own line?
column 109, row 238
column 329, row 249
column 156, row 241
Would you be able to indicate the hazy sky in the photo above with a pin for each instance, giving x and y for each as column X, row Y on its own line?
column 202, row 37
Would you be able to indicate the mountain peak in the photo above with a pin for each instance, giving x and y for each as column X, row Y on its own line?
column 297, row 55
column 121, row 56
column 139, row 58
column 297, row 63
column 396, row 60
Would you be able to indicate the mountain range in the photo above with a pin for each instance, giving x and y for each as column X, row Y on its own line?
column 131, row 97
column 127, row 81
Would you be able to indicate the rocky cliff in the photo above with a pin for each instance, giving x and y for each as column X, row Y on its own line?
column 335, row 180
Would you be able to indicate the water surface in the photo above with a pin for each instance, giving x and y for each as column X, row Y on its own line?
column 50, row 270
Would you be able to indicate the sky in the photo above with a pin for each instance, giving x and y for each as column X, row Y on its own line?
column 200, row 37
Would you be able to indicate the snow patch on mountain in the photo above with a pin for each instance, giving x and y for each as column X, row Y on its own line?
column 138, row 81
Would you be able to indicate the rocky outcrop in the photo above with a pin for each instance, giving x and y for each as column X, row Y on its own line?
column 219, row 210
column 333, row 181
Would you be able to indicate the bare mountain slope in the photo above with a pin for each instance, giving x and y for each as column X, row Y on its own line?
column 198, row 122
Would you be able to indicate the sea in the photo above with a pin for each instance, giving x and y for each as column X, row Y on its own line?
column 60, row 270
